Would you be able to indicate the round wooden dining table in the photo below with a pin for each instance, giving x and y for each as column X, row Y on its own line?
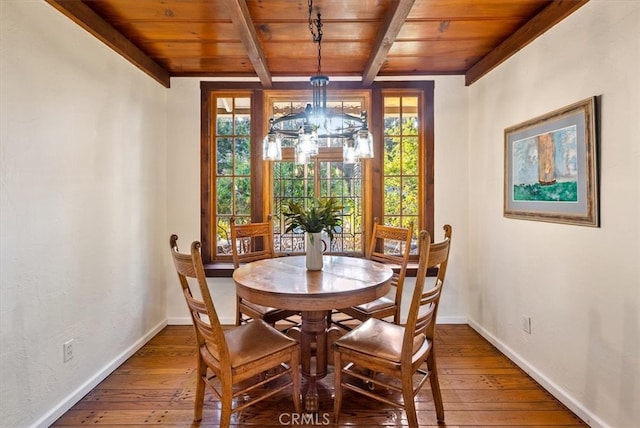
column 285, row 282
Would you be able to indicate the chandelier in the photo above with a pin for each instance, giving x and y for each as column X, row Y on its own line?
column 316, row 122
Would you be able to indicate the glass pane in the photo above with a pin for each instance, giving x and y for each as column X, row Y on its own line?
column 223, row 236
column 242, row 110
column 224, row 195
column 391, row 115
column 410, row 115
column 392, row 194
column 224, row 156
column 393, row 221
column 242, row 156
column 412, row 221
column 224, row 124
column 337, row 169
column 410, row 196
column 309, row 190
column 243, row 125
column 243, row 196
column 409, row 125
column 283, row 108
column 410, row 156
column 391, row 156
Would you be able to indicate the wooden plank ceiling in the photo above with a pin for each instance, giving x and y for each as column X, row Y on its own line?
column 365, row 38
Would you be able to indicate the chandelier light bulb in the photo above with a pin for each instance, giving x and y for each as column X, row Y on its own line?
column 364, row 144
column 301, row 157
column 272, row 147
column 349, row 152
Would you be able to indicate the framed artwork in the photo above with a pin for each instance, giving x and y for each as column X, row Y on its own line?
column 550, row 167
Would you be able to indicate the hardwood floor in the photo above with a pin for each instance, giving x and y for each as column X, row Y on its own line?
column 480, row 388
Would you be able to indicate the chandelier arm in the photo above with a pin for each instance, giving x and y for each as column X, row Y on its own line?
column 362, row 120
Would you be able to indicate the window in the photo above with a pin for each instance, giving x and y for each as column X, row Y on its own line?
column 231, row 172
column 402, row 162
column 324, row 175
column 396, row 186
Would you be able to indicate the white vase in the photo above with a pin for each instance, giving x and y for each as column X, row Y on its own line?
column 314, row 250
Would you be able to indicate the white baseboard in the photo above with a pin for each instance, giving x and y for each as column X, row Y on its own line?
column 181, row 321
column 69, row 401
column 548, row 384
column 451, row 320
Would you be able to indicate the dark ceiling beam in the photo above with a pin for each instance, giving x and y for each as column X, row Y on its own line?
column 244, row 25
column 555, row 12
column 386, row 36
column 82, row 15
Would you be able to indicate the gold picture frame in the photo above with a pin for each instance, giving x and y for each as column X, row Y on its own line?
column 550, row 167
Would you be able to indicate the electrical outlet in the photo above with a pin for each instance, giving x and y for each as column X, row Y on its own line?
column 526, row 324
column 67, row 350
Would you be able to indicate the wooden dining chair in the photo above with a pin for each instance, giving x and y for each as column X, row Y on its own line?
column 391, row 245
column 251, row 242
column 378, row 356
column 233, row 362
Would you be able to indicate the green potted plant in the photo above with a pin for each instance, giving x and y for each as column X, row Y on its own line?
column 324, row 215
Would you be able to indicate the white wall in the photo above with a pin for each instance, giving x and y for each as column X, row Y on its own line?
column 87, row 208
column 83, row 158
column 183, row 212
column 580, row 285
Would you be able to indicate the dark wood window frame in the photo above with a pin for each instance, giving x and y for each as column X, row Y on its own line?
column 225, row 269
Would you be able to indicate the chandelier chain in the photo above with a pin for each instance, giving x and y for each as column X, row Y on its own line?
column 315, row 27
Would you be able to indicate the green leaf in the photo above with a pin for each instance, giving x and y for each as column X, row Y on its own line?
column 323, row 215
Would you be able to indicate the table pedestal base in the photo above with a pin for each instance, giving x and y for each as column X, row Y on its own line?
column 313, row 337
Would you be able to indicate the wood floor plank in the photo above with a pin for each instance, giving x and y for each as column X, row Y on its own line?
column 480, row 386
column 495, row 361
column 144, row 381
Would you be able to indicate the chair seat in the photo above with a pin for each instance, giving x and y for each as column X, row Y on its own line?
column 380, row 339
column 264, row 310
column 253, row 341
column 383, row 302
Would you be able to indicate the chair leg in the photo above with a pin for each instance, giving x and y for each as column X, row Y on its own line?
column 200, row 387
column 295, row 373
column 337, row 383
column 408, row 398
column 238, row 313
column 225, row 404
column 435, row 387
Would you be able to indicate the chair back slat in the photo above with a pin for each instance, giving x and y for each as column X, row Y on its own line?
column 251, row 241
column 391, row 245
column 427, row 311
column 393, row 259
column 439, row 254
column 200, row 316
column 184, row 265
column 424, row 303
column 205, row 319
